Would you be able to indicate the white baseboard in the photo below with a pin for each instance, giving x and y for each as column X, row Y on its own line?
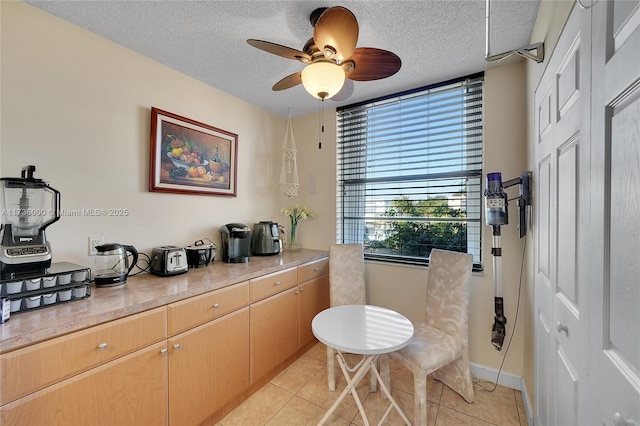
column 508, row 380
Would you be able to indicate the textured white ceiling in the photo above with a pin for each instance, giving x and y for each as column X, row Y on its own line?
column 436, row 40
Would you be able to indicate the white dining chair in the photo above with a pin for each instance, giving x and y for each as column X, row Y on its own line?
column 440, row 343
column 347, row 287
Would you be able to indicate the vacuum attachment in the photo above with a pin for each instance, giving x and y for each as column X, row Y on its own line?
column 498, row 331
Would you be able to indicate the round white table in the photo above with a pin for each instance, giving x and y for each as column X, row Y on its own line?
column 367, row 330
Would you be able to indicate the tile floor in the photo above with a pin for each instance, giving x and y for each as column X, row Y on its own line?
column 299, row 396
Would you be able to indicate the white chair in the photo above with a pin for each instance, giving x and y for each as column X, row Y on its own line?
column 440, row 343
column 347, row 287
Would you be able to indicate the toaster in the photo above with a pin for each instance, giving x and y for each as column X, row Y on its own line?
column 168, row 260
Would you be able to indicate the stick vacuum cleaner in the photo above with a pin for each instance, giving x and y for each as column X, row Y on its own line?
column 497, row 215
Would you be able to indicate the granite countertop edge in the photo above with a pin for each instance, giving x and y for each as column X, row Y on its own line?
column 140, row 293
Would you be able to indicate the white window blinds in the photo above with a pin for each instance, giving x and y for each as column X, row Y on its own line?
column 410, row 170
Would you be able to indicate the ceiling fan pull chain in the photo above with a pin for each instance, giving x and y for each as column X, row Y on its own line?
column 321, row 124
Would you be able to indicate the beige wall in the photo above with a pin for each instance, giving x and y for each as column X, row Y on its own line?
column 403, row 287
column 78, row 107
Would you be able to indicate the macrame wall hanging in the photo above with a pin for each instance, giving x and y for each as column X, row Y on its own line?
column 289, row 173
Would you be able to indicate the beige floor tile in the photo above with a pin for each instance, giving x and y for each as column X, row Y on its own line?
column 498, row 407
column 275, row 404
column 259, row 408
column 298, row 374
column 318, row 351
column 376, row 404
column 301, row 412
column 317, row 392
column 402, row 379
column 522, row 413
column 449, row 417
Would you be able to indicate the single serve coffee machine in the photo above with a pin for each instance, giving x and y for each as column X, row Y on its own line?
column 236, row 242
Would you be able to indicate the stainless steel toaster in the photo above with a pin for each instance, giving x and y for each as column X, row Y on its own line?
column 168, row 260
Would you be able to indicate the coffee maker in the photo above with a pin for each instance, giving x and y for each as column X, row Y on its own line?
column 29, row 205
column 236, row 242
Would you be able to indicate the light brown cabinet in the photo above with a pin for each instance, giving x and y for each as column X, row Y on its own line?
column 314, row 297
column 189, row 362
column 281, row 324
column 129, row 389
column 209, row 364
column 274, row 333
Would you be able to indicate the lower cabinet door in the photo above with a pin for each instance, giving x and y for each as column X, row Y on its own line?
column 208, row 367
column 274, row 332
column 131, row 390
column 314, row 297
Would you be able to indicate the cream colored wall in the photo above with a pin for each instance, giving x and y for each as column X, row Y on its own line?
column 403, row 287
column 317, row 176
column 552, row 16
column 78, row 107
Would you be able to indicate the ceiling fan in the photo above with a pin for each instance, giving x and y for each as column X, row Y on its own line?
column 331, row 56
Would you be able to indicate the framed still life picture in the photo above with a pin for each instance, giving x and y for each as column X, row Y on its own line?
column 189, row 157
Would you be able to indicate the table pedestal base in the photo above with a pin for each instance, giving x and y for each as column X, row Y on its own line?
column 363, row 367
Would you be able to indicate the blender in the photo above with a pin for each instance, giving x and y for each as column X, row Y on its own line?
column 29, row 205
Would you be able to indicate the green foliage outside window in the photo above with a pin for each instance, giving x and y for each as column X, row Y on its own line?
column 411, row 235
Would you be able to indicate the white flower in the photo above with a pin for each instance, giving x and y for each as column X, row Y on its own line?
column 297, row 213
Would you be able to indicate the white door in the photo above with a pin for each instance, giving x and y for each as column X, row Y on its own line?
column 562, row 197
column 614, row 277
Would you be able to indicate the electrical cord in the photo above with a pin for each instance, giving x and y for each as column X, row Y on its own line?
column 477, row 385
column 144, row 258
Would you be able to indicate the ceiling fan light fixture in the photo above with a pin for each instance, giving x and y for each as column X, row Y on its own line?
column 323, row 79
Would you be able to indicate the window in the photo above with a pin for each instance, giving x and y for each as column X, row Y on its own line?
column 410, row 171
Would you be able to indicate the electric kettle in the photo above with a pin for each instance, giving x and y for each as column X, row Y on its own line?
column 113, row 264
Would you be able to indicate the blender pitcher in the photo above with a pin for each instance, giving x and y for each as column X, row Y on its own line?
column 29, row 205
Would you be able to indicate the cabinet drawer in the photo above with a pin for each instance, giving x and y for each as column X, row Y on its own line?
column 28, row 369
column 200, row 309
column 312, row 270
column 131, row 390
column 271, row 284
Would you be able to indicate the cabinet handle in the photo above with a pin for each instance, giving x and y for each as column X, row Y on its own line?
column 163, row 351
column 102, row 346
column 618, row 420
column 216, row 305
column 176, row 346
column 277, row 283
column 297, row 292
column 316, row 269
column 562, row 327
column 302, row 289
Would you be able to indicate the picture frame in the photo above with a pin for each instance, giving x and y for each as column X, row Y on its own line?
column 189, row 157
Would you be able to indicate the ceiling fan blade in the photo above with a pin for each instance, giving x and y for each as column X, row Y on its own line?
column 373, row 64
column 336, row 28
column 345, row 92
column 278, row 49
column 288, row 82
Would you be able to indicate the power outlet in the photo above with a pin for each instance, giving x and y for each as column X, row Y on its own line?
column 93, row 242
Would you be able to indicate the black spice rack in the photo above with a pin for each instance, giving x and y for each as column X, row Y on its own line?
column 63, row 282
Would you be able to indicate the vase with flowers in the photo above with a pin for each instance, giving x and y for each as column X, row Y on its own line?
column 295, row 215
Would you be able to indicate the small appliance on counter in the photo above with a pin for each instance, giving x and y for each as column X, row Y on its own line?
column 236, row 242
column 113, row 264
column 265, row 239
column 29, row 205
column 200, row 254
column 168, row 260
column 61, row 282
